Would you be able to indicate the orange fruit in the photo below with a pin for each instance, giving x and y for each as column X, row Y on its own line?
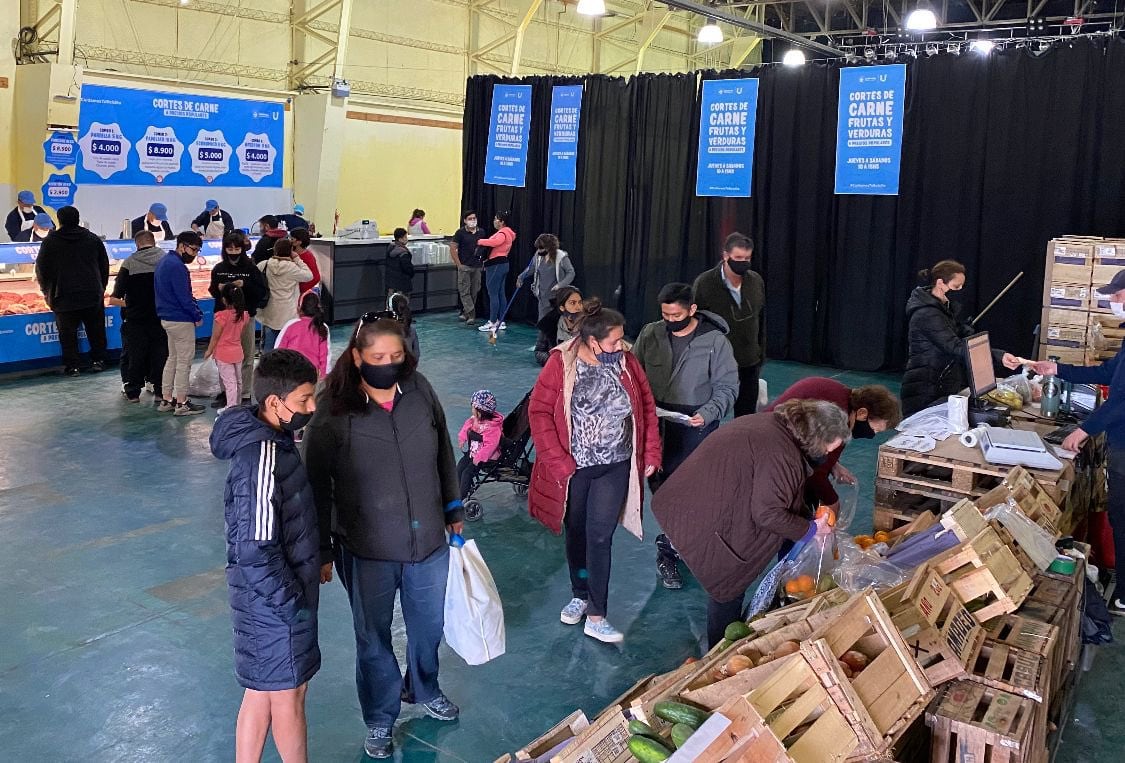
column 806, row 583
column 882, row 536
column 825, row 511
column 792, row 587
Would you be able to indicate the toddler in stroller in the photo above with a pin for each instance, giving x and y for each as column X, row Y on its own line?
column 496, row 449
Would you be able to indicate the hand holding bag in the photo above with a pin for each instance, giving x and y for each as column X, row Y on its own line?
column 474, row 614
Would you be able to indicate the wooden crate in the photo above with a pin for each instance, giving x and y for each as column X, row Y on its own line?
column 974, row 722
column 924, row 521
column 801, row 610
column 1074, row 357
column 1013, row 670
column 562, row 732
column 804, row 725
column 1067, row 263
column 1033, row 500
column 1063, row 328
column 984, row 574
column 1022, row 632
column 606, row 740
column 1111, row 251
column 634, row 691
column 883, row 700
column 1029, row 561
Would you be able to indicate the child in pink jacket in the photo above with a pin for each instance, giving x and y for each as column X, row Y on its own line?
column 481, row 433
column 308, row 334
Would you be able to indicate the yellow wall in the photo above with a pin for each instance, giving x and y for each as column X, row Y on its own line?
column 9, row 26
column 389, row 169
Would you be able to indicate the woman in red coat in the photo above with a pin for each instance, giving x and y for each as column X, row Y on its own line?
column 593, row 422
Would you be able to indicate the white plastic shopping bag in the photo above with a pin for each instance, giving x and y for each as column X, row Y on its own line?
column 474, row 615
column 204, row 381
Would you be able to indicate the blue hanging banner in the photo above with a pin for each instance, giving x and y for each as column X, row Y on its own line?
column 145, row 137
column 506, row 159
column 60, row 150
column 726, row 137
column 58, row 191
column 562, row 153
column 869, row 131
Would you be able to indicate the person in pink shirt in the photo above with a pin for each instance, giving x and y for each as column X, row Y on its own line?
column 479, row 438
column 496, row 269
column 308, row 334
column 417, row 225
column 301, row 238
column 226, row 341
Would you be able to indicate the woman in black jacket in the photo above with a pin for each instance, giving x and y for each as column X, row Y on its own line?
column 935, row 368
column 560, row 324
column 380, row 462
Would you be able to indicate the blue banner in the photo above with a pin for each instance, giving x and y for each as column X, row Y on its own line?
column 726, row 137
column 506, row 158
column 60, row 150
column 869, row 131
column 562, row 153
column 58, row 191
column 144, row 137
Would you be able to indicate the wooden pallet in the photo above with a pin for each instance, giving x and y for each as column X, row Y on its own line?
column 890, row 693
column 974, row 722
column 951, row 468
column 984, row 574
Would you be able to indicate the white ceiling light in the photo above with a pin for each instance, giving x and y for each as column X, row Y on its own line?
column 710, row 33
column 591, row 7
column 793, row 58
column 983, row 46
column 921, row 20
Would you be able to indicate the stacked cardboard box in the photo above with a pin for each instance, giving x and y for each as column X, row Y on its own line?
column 1077, row 325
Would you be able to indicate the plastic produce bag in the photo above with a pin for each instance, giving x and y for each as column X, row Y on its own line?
column 810, row 572
column 1036, row 542
column 857, row 569
column 474, row 614
column 848, row 494
column 205, row 380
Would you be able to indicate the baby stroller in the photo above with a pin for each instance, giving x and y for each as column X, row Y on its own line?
column 514, row 464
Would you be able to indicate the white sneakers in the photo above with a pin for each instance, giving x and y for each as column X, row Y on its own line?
column 601, row 630
column 490, row 326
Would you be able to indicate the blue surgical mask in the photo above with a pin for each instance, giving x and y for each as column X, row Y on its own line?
column 607, row 358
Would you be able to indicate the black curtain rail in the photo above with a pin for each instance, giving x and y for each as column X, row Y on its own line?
column 1001, row 153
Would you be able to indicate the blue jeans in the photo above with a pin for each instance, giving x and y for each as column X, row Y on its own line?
column 371, row 585
column 494, row 278
column 269, row 338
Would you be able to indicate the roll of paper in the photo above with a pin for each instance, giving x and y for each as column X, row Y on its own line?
column 958, row 413
column 971, row 439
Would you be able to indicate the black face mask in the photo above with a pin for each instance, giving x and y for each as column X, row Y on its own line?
column 380, row 377
column 232, row 257
column 297, row 421
column 815, row 461
column 862, row 430
column 680, row 325
column 187, row 258
column 739, row 267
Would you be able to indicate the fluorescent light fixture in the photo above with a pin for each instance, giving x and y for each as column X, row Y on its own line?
column 793, row 58
column 710, row 33
column 921, row 20
column 591, row 7
column 982, row 46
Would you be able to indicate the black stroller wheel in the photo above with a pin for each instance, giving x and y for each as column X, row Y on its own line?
column 519, row 489
column 473, row 510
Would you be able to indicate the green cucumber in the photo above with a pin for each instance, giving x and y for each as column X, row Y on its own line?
column 680, row 734
column 642, row 729
column 736, row 631
column 678, row 712
column 648, row 750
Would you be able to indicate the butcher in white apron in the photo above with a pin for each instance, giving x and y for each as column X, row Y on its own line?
column 155, row 222
column 22, row 217
column 41, row 225
column 213, row 222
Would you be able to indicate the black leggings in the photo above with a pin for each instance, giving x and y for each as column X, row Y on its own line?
column 597, row 494
column 466, row 471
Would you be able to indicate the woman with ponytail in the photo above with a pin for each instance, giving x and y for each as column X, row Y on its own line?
column 935, row 368
column 308, row 334
column 593, row 422
column 381, row 466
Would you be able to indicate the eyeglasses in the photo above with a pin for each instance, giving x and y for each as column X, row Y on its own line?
column 194, row 249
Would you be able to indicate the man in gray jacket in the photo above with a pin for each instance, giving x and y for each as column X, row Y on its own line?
column 694, row 377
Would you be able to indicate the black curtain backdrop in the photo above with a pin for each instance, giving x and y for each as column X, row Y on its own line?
column 1001, row 153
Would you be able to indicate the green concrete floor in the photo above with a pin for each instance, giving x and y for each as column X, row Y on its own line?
column 115, row 636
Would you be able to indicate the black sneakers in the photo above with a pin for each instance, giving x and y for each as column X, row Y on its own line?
column 442, row 709
column 97, row 367
column 220, row 400
column 187, row 409
column 667, row 563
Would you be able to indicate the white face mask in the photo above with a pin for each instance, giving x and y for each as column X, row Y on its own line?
column 1118, row 309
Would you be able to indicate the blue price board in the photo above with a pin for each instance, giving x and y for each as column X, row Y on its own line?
column 562, row 151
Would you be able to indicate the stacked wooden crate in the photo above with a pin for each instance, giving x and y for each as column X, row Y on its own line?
column 1077, row 325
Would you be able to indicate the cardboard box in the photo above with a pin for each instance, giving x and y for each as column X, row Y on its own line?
column 1067, row 262
column 563, row 731
column 1063, row 328
column 1067, row 295
column 606, row 741
column 1074, row 357
column 1110, row 252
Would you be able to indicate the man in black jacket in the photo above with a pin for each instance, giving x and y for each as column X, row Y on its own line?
column 400, row 267
column 134, row 292
column 271, row 234
column 154, row 221
column 73, row 270
column 737, row 294
column 237, row 268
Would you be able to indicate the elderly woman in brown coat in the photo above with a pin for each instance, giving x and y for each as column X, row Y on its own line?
column 730, row 505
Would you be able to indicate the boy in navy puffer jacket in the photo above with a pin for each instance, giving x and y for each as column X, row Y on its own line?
column 273, row 555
